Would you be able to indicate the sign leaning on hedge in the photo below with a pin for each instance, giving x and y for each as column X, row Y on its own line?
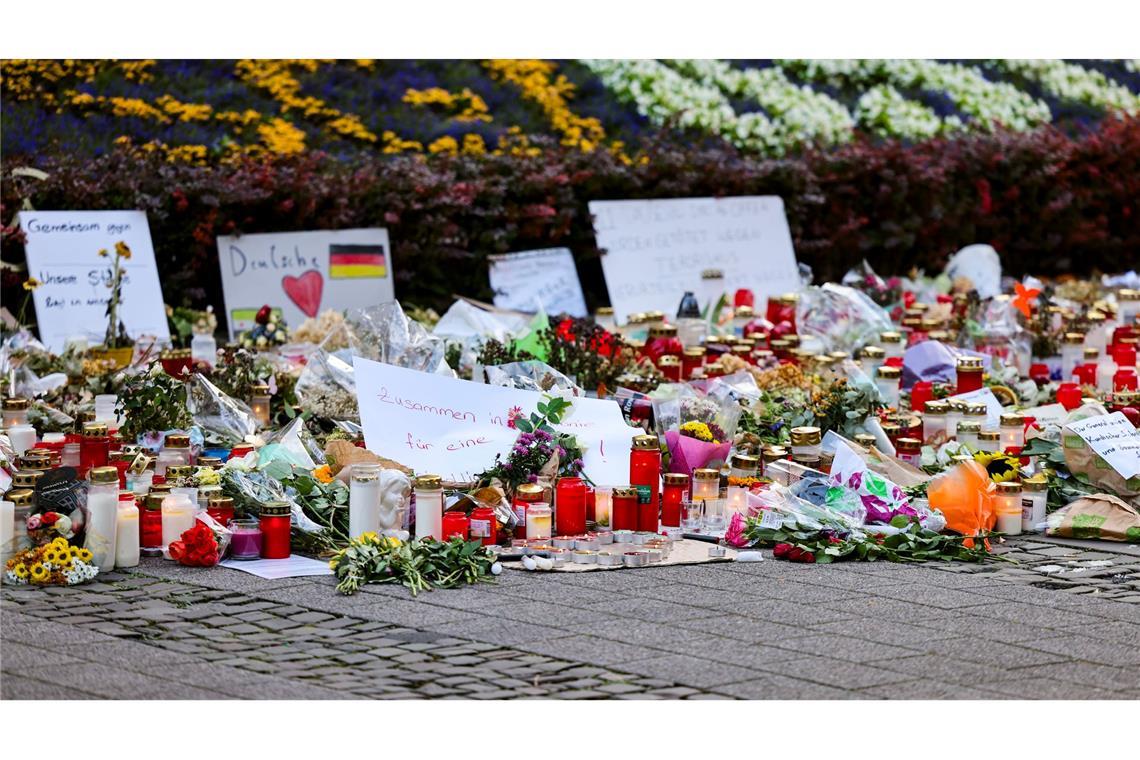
column 302, row 273
column 71, row 301
column 528, row 279
column 655, row 250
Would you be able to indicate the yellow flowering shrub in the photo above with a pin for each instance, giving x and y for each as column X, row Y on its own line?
column 534, row 78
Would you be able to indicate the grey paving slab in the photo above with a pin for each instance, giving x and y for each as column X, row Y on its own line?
column 837, row 673
column 1050, row 688
column 14, row 687
column 592, row 649
column 847, row 648
column 690, row 670
column 928, row 688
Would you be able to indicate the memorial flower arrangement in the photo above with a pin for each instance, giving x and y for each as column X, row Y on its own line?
column 46, row 527
column 198, row 547
column 268, row 330
column 1000, row 467
column 420, row 565
column 152, row 402
column 540, row 451
column 57, row 563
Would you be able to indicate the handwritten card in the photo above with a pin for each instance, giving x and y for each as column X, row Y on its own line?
column 529, row 279
column 454, row 428
column 63, row 254
column 302, row 273
column 655, row 250
column 986, row 396
column 1114, row 439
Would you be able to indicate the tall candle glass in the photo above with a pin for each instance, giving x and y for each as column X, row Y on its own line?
column 570, row 507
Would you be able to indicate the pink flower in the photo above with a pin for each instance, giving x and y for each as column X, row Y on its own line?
column 33, row 522
column 734, row 536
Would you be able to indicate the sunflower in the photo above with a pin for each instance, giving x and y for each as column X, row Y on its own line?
column 1000, row 467
column 21, row 571
column 51, row 557
column 74, row 551
column 84, row 555
column 59, row 543
column 39, row 573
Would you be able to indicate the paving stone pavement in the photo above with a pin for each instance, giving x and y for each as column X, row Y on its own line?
column 769, row 630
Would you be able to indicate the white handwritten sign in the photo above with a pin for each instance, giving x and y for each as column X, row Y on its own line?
column 987, row 397
column 63, row 254
column 302, row 273
column 655, row 250
column 547, row 277
column 455, row 428
column 1114, row 438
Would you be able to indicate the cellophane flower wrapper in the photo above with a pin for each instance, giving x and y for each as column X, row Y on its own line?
column 881, row 498
column 934, row 361
column 300, row 443
column 675, row 404
column 216, row 413
column 999, row 334
column 531, row 376
column 841, row 318
column 261, row 487
column 793, row 510
column 687, row 454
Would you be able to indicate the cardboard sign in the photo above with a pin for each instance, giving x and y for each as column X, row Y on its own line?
column 655, row 250
column 63, row 254
column 1114, row 439
column 987, row 397
column 546, row 278
column 454, row 428
column 302, row 273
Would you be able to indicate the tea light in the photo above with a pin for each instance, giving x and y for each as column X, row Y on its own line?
column 737, row 499
column 587, row 543
column 564, row 542
column 559, row 556
column 585, row 557
column 605, row 538
column 674, row 534
column 643, row 537
column 654, row 555
column 623, row 536
column 635, row 559
column 609, row 559
column 717, row 551
column 603, row 502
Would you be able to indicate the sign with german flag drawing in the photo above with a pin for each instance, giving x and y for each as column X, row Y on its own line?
column 300, row 274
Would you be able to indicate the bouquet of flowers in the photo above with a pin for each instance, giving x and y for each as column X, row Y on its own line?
column 201, row 546
column 54, row 564
column 540, row 452
column 268, row 330
column 696, row 430
column 46, row 527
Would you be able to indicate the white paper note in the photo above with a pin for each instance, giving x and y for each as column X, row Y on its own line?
column 1114, row 438
column 655, row 250
column 63, row 254
column 528, row 279
column 454, row 428
column 295, row 566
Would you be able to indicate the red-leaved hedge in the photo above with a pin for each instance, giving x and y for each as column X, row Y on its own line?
column 1050, row 203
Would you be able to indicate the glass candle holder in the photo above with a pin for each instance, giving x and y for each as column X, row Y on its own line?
column 1008, row 507
column 968, row 433
column 934, row 420
column 538, row 521
column 245, row 541
column 1072, row 349
column 989, row 440
column 1034, row 495
column 969, row 374
column 675, row 493
column 15, row 411
column 744, row 466
column 909, row 450
column 603, row 506
column 736, row 499
column 806, row 441
column 645, row 469
column 887, row 381
column 275, row 522
column 456, row 524
column 706, row 484
column 692, row 359
column 570, row 507
column 259, row 403
column 363, row 499
column 871, row 358
column 692, row 515
column 525, row 494
column 1012, row 431
column 714, row 515
column 429, row 506
column 625, row 503
column 892, row 344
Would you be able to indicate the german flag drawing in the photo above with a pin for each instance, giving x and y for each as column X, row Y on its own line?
column 352, row 261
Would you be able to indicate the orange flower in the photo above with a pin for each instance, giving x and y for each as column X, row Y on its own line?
column 323, row 474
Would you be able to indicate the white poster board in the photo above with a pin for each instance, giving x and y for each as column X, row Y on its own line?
column 63, row 254
column 523, row 281
column 454, row 428
column 302, row 273
column 655, row 250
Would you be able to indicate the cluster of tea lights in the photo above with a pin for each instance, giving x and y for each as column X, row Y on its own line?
column 619, row 548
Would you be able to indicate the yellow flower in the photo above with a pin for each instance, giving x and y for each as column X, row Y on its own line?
column 698, row 430
column 31, row 284
column 60, row 542
column 39, row 573
column 122, row 251
column 370, row 537
column 323, row 474
column 104, row 252
column 74, row 551
column 1000, row 467
column 21, row 571
column 84, row 555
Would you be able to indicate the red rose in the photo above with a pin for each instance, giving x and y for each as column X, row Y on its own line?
column 49, row 518
column 780, row 551
column 262, row 317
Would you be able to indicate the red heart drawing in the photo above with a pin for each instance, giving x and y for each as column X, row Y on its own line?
column 305, row 291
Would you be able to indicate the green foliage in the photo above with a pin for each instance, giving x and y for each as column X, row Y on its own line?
column 421, row 565
column 152, row 402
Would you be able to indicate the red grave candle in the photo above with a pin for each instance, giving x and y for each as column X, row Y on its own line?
column 485, row 528
column 676, row 491
column 455, row 524
column 969, row 374
column 150, row 521
column 94, row 448
column 525, row 494
column 570, row 507
column 645, row 476
column 275, row 524
column 624, row 509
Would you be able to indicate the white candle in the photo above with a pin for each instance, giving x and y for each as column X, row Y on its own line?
column 364, row 500
column 177, row 518
column 737, row 499
column 102, row 516
column 127, row 535
column 429, row 507
column 7, row 530
column 23, row 437
column 603, row 505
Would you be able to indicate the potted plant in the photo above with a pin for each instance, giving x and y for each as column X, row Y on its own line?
column 117, row 347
